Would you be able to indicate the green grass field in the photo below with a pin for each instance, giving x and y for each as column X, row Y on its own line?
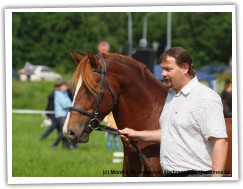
column 30, row 95
column 34, row 158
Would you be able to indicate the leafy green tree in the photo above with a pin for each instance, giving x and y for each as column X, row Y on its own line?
column 47, row 37
column 208, row 36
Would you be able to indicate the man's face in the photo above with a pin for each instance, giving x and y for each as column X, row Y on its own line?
column 172, row 73
column 104, row 47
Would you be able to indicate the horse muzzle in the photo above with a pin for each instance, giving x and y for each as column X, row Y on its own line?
column 77, row 137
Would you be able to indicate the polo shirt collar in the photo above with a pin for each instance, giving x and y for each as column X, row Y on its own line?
column 187, row 88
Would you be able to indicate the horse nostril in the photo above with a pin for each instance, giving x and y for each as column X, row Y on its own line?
column 71, row 135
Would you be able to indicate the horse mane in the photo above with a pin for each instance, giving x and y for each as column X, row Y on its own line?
column 84, row 70
column 130, row 60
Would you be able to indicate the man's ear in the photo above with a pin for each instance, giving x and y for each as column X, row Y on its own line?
column 92, row 59
column 185, row 66
column 77, row 57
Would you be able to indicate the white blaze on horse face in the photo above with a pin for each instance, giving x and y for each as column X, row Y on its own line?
column 64, row 130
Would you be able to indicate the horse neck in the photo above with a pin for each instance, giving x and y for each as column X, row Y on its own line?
column 140, row 102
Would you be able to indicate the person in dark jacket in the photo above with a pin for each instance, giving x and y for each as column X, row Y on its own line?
column 50, row 107
column 226, row 97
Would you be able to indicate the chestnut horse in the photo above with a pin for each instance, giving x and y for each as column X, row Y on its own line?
column 117, row 83
column 136, row 101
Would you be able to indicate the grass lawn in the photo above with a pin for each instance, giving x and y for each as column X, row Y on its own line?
column 30, row 95
column 34, row 158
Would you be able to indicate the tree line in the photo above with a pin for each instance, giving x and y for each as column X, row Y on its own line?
column 46, row 37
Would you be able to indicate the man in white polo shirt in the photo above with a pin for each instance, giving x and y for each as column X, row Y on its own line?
column 193, row 132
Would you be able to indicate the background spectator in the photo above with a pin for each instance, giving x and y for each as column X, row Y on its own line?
column 109, row 119
column 29, row 68
column 50, row 107
column 226, row 97
column 62, row 103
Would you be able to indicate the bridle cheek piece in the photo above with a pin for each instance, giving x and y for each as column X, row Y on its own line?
column 94, row 122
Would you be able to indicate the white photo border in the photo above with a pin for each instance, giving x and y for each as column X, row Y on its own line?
column 48, row 180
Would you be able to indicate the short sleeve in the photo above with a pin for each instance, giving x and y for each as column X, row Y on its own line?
column 211, row 119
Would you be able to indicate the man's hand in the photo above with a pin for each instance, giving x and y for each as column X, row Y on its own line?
column 129, row 133
column 148, row 136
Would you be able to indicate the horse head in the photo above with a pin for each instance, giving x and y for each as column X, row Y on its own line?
column 93, row 99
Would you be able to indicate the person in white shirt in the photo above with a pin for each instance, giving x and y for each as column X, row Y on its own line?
column 193, row 133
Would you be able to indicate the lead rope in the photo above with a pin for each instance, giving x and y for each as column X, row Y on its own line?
column 142, row 156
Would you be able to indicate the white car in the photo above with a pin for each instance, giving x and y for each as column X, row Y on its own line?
column 40, row 73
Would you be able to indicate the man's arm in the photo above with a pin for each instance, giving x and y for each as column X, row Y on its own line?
column 219, row 155
column 148, row 136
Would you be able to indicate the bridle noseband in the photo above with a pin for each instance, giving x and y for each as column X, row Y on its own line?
column 94, row 122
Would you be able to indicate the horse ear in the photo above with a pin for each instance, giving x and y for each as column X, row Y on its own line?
column 77, row 57
column 92, row 59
